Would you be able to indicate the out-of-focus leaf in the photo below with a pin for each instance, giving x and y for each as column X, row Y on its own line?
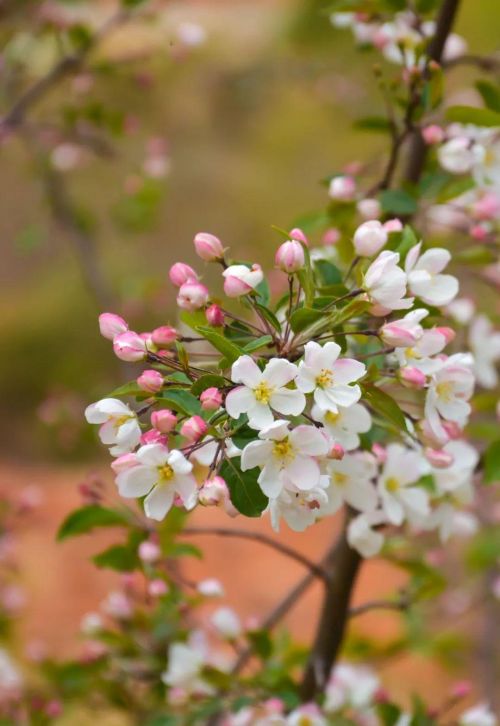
column 490, row 94
column 492, row 463
column 483, row 550
column 385, row 406
column 87, row 518
column 229, row 350
column 246, row 494
column 471, row 115
column 303, row 317
column 269, row 316
column 118, row 557
column 328, row 272
column 397, row 201
column 388, row 713
column 128, row 389
column 378, row 124
column 454, row 188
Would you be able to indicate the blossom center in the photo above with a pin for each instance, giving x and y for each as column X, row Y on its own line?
column 283, row 449
column 263, row 392
column 444, row 390
column 413, row 353
column 166, row 472
column 340, row 479
column 332, row 417
column 392, row 484
column 120, row 420
column 325, row 378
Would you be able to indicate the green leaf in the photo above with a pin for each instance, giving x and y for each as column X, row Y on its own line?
column 476, row 255
column 211, row 380
column 483, row 551
column 118, row 557
column 261, row 643
column 455, row 188
column 128, row 389
column 492, row 463
column 385, row 406
column 181, row 401
column 388, row 713
column 328, row 272
column 261, row 342
column 352, row 310
column 230, row 351
column 263, row 293
column 185, row 549
column 472, row 115
column 246, row 494
column 397, row 201
column 269, row 316
column 85, row 519
column 303, row 317
column 408, row 240
column 490, row 94
column 377, row 124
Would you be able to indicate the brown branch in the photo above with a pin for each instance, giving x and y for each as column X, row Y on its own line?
column 314, row 569
column 402, row 603
column 488, row 63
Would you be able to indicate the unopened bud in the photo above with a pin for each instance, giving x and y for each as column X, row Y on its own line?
column 180, row 273
column 208, row 247
column 290, row 257
column 194, row 429
column 214, row 316
column 211, row 399
column 150, row 381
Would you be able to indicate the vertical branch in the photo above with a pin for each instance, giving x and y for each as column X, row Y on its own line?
column 343, row 566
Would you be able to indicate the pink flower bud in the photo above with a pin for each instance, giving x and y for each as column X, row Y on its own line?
column 379, row 453
column 397, row 336
column 192, row 296
column 153, row 436
column 331, row 237
column 479, row 232
column 439, row 458
column 488, row 207
column 433, row 134
column 150, row 381
column 336, row 452
column 129, row 347
column 157, row 588
column 461, row 689
column 208, row 247
column 290, row 257
column 111, row 325
column 211, row 399
column 214, row 316
column 181, row 273
column 54, row 709
column 149, row 551
column 447, row 333
column 164, row 420
column 411, row 377
column 123, row 462
column 241, row 280
column 213, row 492
column 369, row 238
column 369, row 208
column 275, row 705
column 299, row 235
column 164, row 336
column 452, row 429
column 194, row 429
column 393, row 225
column 342, row 188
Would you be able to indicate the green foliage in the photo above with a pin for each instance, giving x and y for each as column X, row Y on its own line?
column 229, row 350
column 385, row 406
column 180, row 400
column 329, row 273
column 492, row 463
column 490, row 94
column 483, row 551
column 246, row 494
column 397, row 201
column 121, row 558
column 87, row 518
column 303, row 317
column 471, row 115
column 210, row 380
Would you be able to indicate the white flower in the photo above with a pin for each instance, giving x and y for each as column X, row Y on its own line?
column 306, row 715
column 211, row 587
column 328, row 377
column 344, row 424
column 362, row 535
column 349, row 685
column 205, row 454
column 385, row 283
column 185, row 665
column 424, row 278
column 403, row 467
column 10, row 678
column 298, row 508
column 119, row 425
column 240, row 279
column 479, row 715
column 420, row 355
column 286, row 457
column 227, row 623
column 459, row 155
column 461, row 310
column 449, row 391
column 369, row 238
column 460, row 471
column 263, row 390
column 485, row 346
column 351, row 481
column 161, row 475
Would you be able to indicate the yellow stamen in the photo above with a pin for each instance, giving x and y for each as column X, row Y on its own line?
column 340, row 479
column 283, row 449
column 120, row 420
column 392, row 484
column 166, row 472
column 263, row 392
column 331, row 417
column 444, row 390
column 324, row 379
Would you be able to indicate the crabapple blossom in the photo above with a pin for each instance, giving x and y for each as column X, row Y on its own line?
column 164, row 420
column 351, row 481
column 211, row 399
column 208, row 247
column 211, row 587
column 404, row 332
column 290, row 257
column 149, row 551
column 214, row 316
column 485, row 346
column 286, row 457
column 192, row 296
column 369, row 208
column 369, row 238
column 450, row 389
column 420, row 355
column 164, row 335
column 150, row 381
column 119, row 427
column 329, row 377
column 459, row 155
column 479, row 715
column 385, row 284
column 181, row 273
column 348, row 685
column 111, row 325
column 194, row 429
column 432, row 134
column 298, row 235
column 342, row 188
column 130, row 347
column 345, row 424
column 241, row 280
column 425, row 279
column 399, row 496
column 227, row 623
column 299, row 508
column 393, row 225
column 263, row 390
column 185, row 665
column 159, row 476
column 362, row 534
column 153, row 436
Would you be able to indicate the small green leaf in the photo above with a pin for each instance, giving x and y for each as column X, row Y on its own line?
column 211, row 380
column 328, row 272
column 246, row 494
column 118, row 557
column 269, row 316
column 263, row 293
column 230, row 351
column 397, row 201
column 492, row 463
column 181, row 401
column 385, row 406
column 377, row 124
column 471, row 115
column 490, row 94
column 261, row 342
column 85, row 519
column 455, row 188
column 388, row 713
column 303, row 317
column 353, row 309
column 128, row 389
column 185, row 549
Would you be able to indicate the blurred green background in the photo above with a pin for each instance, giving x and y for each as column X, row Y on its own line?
column 254, row 119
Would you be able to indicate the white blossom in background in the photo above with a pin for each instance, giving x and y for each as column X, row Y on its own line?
column 479, row 715
column 119, row 426
column 11, row 679
column 400, row 498
column 185, row 665
column 350, row 686
column 345, row 424
column 300, row 509
column 484, row 342
column 227, row 623
column 385, row 284
column 351, row 481
column 363, row 535
column 420, row 355
column 448, row 394
column 424, row 276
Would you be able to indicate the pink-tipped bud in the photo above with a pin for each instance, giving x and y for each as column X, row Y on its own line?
column 331, row 236
column 124, row 462
column 164, row 336
column 393, row 225
column 192, row 296
column 214, row 316
column 411, row 377
column 397, row 336
column 487, row 207
column 164, row 420
column 342, row 188
column 54, row 709
column 149, row 551
column 299, row 235
column 290, row 257
column 241, row 280
column 111, row 325
column 336, row 452
column 452, row 429
column 129, row 347
column 181, row 273
column 150, row 381
column 439, row 458
column 208, row 247
column 153, row 436
column 479, row 232
column 211, row 399
column 194, row 429
column 461, row 689
column 447, row 333
column 380, row 453
column 369, row 238
column 157, row 588
column 213, row 492
column 432, row 134
column 369, row 208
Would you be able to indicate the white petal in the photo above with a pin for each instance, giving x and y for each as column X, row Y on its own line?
column 304, row 472
column 245, row 370
column 392, row 508
column 270, row 480
column 259, row 416
column 288, row 402
column 185, row 486
column 153, row 455
column 347, row 370
column 309, row 440
column 279, row 372
column 107, row 433
column 343, row 395
column 256, row 453
column 239, row 400
column 158, row 502
column 136, row 481
column 179, row 463
column 306, row 379
column 434, row 260
column 361, row 495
